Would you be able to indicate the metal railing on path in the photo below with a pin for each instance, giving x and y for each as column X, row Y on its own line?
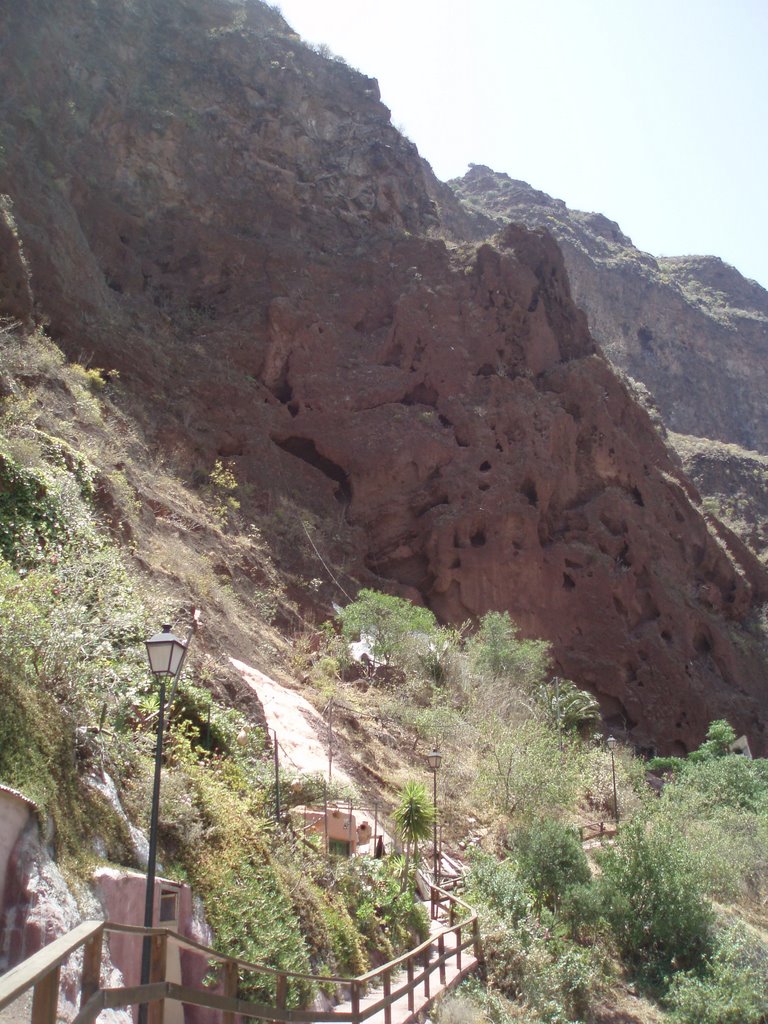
column 444, row 951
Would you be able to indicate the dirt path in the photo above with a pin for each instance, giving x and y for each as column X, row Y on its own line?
column 301, row 731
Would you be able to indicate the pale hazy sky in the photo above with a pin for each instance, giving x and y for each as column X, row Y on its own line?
column 652, row 112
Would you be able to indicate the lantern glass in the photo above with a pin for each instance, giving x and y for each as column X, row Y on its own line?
column 611, row 741
column 165, row 652
column 434, row 760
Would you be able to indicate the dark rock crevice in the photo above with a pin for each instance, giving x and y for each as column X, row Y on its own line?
column 305, row 449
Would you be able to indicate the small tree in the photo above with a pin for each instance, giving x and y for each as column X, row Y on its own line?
column 520, row 770
column 414, row 818
column 497, row 652
column 655, row 900
column 720, row 736
column 395, row 629
column 566, row 704
column 222, row 487
column 551, row 860
column 733, row 989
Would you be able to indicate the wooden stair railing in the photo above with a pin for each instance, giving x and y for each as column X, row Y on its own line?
column 41, row 973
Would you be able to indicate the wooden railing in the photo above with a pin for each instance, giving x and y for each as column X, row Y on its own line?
column 398, row 978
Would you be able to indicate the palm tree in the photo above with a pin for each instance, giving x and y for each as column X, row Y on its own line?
column 414, row 817
column 573, row 709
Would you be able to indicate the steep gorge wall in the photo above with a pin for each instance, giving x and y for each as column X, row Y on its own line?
column 691, row 328
column 231, row 220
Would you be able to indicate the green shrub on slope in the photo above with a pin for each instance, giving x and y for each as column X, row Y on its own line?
column 732, row 989
column 656, row 901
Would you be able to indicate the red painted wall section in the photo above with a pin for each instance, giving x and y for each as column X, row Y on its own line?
column 122, row 895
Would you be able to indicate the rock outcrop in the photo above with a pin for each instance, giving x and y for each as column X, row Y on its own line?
column 691, row 328
column 231, row 220
column 735, row 483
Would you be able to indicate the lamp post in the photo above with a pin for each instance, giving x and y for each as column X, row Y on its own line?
column 611, row 741
column 166, row 658
column 434, row 760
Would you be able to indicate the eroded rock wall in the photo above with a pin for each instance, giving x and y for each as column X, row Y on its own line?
column 691, row 328
column 231, row 220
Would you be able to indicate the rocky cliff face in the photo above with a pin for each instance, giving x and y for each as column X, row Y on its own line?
column 231, row 221
column 691, row 328
column 735, row 483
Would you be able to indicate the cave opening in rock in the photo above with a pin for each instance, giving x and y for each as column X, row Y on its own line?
column 304, row 448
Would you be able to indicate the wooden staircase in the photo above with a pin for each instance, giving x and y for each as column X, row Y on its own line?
column 395, row 993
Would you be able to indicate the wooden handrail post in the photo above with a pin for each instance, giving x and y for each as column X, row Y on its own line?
column 281, row 992
column 452, row 914
column 411, row 994
column 355, row 998
column 46, row 998
column 157, row 968
column 426, row 972
column 231, row 981
column 457, row 933
column 387, row 993
column 91, row 977
column 441, row 955
column 476, row 939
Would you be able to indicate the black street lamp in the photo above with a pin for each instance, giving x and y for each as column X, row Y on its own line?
column 166, row 658
column 611, row 741
column 434, row 760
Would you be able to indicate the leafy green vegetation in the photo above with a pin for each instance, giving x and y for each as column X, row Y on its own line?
column 544, row 912
column 222, row 486
column 656, row 900
column 526, row 960
column 390, row 625
column 550, row 861
column 70, row 626
column 31, row 517
column 732, row 988
column 496, row 651
column 414, row 818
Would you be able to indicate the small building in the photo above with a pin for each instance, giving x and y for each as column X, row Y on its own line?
column 741, row 747
column 338, row 827
column 122, row 894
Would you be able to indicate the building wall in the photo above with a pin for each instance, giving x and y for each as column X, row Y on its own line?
column 15, row 812
column 122, row 895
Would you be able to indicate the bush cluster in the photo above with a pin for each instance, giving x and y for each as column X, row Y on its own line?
column 550, row 926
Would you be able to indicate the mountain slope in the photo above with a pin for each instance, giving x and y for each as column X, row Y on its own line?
column 230, row 220
column 691, row 328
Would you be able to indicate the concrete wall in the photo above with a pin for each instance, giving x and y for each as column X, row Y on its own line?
column 340, row 825
column 15, row 812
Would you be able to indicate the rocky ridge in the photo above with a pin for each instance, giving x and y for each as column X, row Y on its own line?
column 690, row 328
column 230, row 220
column 735, row 485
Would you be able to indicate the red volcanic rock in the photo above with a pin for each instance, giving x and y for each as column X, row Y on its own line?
column 224, row 215
column 494, row 460
column 667, row 322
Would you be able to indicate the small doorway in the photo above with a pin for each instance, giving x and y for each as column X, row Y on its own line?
column 339, row 847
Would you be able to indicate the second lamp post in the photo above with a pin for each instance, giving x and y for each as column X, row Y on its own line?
column 434, row 763
column 611, row 741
